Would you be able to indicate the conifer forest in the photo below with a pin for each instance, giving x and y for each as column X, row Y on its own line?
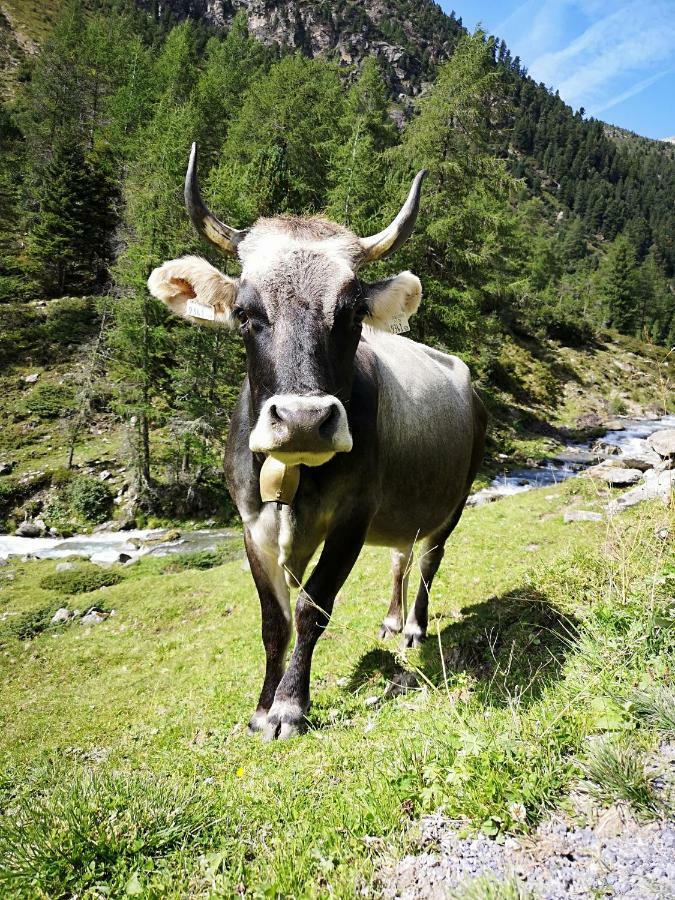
column 535, row 222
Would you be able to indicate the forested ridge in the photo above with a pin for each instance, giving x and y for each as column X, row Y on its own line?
column 535, row 224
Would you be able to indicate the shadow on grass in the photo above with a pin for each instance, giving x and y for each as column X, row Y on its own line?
column 513, row 645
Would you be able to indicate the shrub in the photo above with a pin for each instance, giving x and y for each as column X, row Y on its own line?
column 28, row 624
column 50, row 401
column 90, row 498
column 202, row 559
column 80, row 581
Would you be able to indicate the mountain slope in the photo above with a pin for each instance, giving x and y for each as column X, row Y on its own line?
column 408, row 38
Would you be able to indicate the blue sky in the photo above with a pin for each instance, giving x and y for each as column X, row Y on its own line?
column 616, row 58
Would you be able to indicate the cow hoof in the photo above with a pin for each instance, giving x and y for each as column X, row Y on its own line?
column 413, row 636
column 284, row 720
column 390, row 627
column 257, row 722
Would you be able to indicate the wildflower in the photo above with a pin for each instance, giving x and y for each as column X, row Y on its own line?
column 240, row 772
column 517, row 812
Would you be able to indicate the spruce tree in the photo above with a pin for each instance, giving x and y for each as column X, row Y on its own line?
column 618, row 286
column 358, row 170
column 70, row 245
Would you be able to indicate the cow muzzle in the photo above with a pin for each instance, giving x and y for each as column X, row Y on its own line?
column 301, row 429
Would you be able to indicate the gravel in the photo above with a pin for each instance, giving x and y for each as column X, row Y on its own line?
column 615, row 856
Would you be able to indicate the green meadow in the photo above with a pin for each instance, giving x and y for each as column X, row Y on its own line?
column 126, row 767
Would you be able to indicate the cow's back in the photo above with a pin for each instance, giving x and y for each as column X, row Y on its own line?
column 427, row 434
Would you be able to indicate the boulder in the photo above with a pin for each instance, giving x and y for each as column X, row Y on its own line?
column 657, row 485
column 30, row 379
column 642, row 460
column 6, row 468
column 581, row 515
column 663, row 442
column 60, row 616
column 30, row 529
column 93, row 617
column 615, row 476
column 163, row 536
column 605, row 448
column 64, row 567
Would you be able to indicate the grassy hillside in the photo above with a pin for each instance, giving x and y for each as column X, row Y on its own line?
column 24, row 25
column 126, row 769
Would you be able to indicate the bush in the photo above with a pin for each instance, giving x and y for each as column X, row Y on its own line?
column 28, row 624
column 203, row 559
column 50, row 401
column 80, row 581
column 90, row 498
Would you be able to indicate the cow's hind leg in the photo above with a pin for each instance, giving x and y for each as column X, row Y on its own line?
column 400, row 570
column 415, row 630
column 275, row 607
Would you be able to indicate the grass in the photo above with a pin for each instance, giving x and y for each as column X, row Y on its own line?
column 488, row 888
column 615, row 772
column 126, row 769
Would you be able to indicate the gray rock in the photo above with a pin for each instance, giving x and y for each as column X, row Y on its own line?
column 644, row 460
column 64, row 567
column 656, row 486
column 615, row 476
column 581, row 515
column 401, row 683
column 30, row 379
column 93, row 617
column 29, row 529
column 605, row 448
column 60, row 616
column 663, row 442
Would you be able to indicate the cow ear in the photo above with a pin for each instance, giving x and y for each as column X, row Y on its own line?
column 195, row 290
column 393, row 301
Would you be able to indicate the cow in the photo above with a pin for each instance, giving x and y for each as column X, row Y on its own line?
column 382, row 435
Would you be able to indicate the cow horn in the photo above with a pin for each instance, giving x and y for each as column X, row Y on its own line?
column 397, row 233
column 220, row 234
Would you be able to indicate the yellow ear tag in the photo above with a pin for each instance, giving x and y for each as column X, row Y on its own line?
column 278, row 482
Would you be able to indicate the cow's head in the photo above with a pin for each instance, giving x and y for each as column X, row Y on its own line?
column 300, row 307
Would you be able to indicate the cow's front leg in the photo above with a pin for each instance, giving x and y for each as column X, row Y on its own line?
column 275, row 607
column 312, row 612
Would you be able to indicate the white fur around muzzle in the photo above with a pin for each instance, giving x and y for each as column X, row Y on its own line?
column 264, row 439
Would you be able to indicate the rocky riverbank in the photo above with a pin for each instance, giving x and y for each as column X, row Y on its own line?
column 633, row 452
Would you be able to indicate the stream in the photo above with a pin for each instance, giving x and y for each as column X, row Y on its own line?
column 576, row 457
column 105, row 547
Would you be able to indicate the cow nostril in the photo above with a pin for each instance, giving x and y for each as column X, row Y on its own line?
column 274, row 413
column 327, row 423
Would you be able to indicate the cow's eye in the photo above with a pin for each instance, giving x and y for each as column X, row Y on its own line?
column 240, row 315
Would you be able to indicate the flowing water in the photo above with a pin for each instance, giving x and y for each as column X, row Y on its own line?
column 106, row 546
column 576, row 457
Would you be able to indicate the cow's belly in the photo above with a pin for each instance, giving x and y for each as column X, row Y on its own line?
column 425, row 438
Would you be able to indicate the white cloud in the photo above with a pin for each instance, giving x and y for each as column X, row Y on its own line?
column 632, row 91
column 634, row 37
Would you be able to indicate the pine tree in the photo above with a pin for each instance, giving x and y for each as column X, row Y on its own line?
column 358, row 169
column 70, row 245
column 466, row 240
column 278, row 150
column 617, row 285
